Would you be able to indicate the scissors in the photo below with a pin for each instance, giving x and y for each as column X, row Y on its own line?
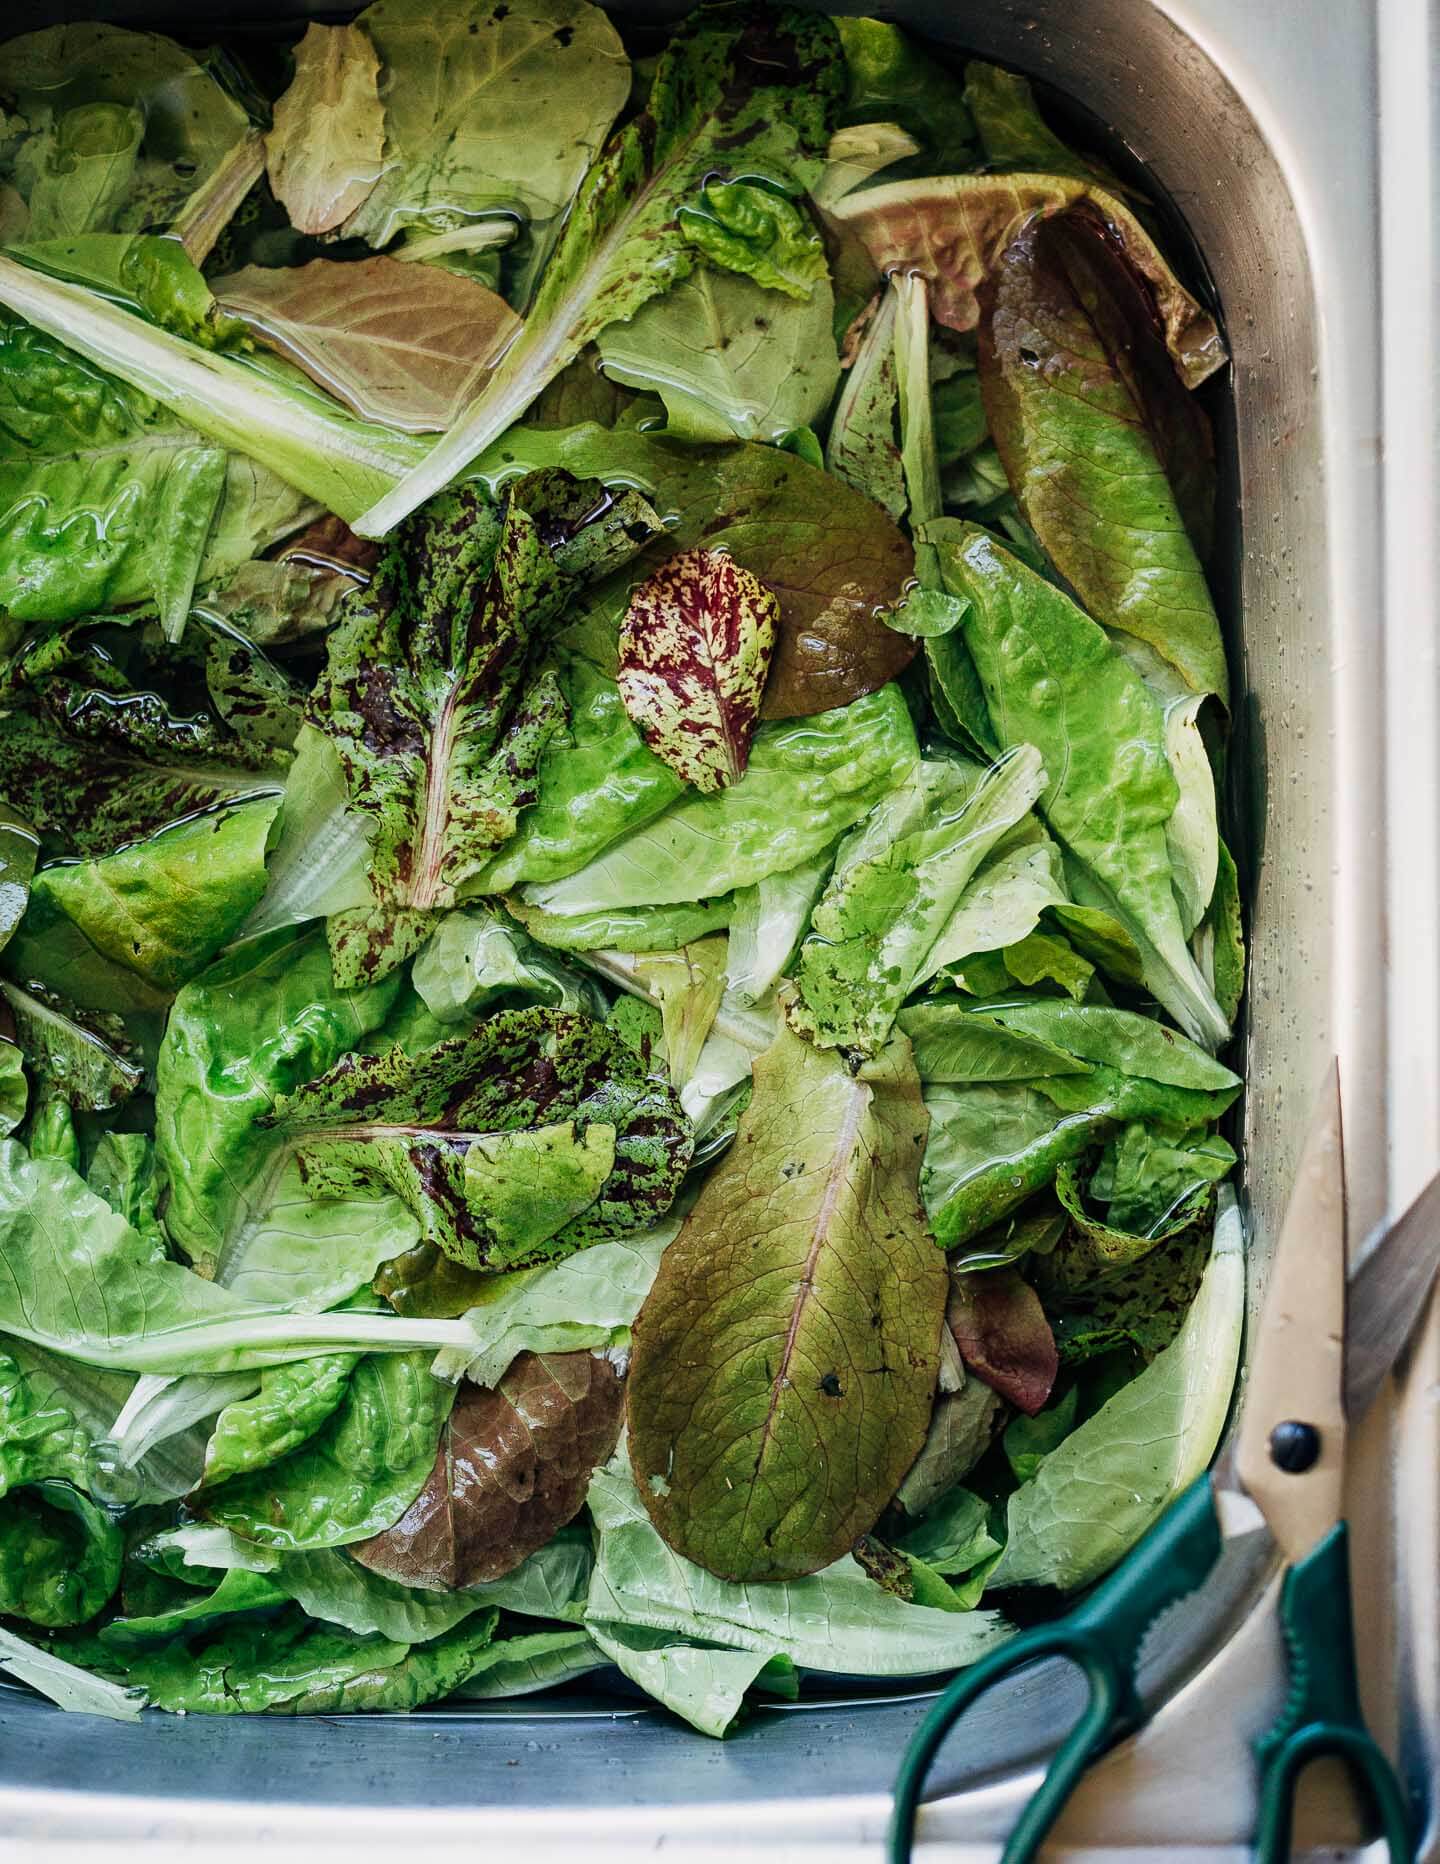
column 1289, row 1461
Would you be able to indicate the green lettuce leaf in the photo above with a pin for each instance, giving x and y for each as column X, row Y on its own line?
column 163, row 907
column 767, row 923
column 521, row 1666
column 66, row 1684
column 14, row 1089
column 112, row 129
column 89, row 1058
column 353, row 1477
column 457, row 1133
column 480, row 961
column 241, row 405
column 1012, row 132
column 1107, row 453
column 1111, row 791
column 705, row 1687
column 1141, row 1448
column 19, row 846
column 837, row 1620
column 863, row 447
column 729, row 80
column 626, row 930
column 890, row 78
column 291, row 1405
column 806, row 781
column 458, row 80
column 897, row 881
column 728, row 358
column 443, row 752
column 261, row 1022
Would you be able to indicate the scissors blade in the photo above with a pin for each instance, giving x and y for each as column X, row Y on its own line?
column 1387, row 1293
column 1297, row 1368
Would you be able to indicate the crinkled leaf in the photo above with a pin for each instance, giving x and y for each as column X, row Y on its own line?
column 412, row 1123
column 1107, row 453
column 353, row 1477
column 40, row 1438
column 757, row 231
column 837, row 1620
column 292, row 1403
column 323, row 150
column 704, row 1687
column 1053, row 679
column 113, row 128
column 759, row 83
column 521, row 1666
column 1113, row 1476
column 406, row 345
column 87, row 1056
column 513, row 1466
column 261, row 1022
column 897, row 880
column 443, row 751
column 460, row 77
column 807, row 781
column 952, row 230
column 785, row 1360
column 727, row 357
column 60, row 1555
column 1003, row 1335
column 333, row 1585
column 1139, row 1306
column 626, row 929
column 238, row 1592
column 695, row 651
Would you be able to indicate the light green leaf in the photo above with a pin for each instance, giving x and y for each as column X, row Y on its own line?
column 357, row 1475
column 897, row 881
column 1012, row 131
column 954, row 1535
column 459, row 80
column 728, row 358
column 807, row 780
column 237, row 1593
column 1113, row 1477
column 704, row 1687
column 66, row 1684
column 1192, row 834
column 837, row 1620
column 625, row 929
column 719, row 79
column 1053, row 680
column 961, row 1428
column 889, row 76
column 14, row 1089
column 1002, row 903
column 766, row 925
column 863, row 448
column 291, row 1405
column 328, row 1584
column 71, row 1052
column 19, row 845
column 521, row 1666
column 754, row 229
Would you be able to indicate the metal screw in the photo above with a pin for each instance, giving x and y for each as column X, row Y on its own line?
column 1294, row 1447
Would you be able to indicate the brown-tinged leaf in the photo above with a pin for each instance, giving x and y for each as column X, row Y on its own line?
column 512, row 1468
column 213, row 205
column 784, row 1362
column 1003, row 1335
column 695, row 651
column 1110, row 458
column 330, row 544
column 951, row 230
column 325, row 148
column 406, row 345
column 961, row 1428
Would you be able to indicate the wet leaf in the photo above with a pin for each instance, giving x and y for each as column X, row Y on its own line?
column 1003, row 1335
column 407, row 345
column 695, row 651
column 323, row 153
column 512, row 1468
column 785, row 1361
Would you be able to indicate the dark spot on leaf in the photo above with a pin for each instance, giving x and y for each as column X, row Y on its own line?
column 564, row 36
column 831, row 1386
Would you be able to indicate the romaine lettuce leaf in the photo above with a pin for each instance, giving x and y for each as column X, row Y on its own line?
column 806, row 781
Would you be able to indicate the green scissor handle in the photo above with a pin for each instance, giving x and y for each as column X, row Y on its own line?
column 1322, row 1713
column 1102, row 1637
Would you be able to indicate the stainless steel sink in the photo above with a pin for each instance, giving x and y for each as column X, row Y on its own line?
column 1297, row 142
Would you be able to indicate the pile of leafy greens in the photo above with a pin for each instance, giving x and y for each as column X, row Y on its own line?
column 615, row 930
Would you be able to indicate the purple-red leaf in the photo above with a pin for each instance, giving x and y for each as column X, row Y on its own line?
column 1003, row 1335
column 952, row 230
column 407, row 345
column 695, row 649
column 512, row 1468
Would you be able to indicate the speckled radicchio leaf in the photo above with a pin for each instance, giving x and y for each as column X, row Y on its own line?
column 695, row 648
column 425, row 690
column 481, row 1133
column 511, row 1470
